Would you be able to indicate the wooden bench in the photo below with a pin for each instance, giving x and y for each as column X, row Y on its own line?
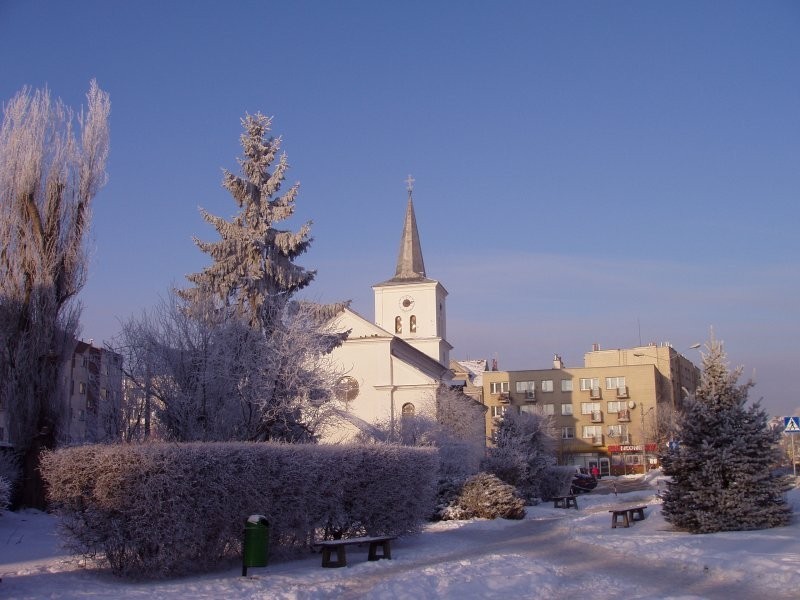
column 626, row 516
column 340, row 545
column 565, row 501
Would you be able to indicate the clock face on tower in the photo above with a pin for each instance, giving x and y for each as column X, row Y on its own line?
column 406, row 302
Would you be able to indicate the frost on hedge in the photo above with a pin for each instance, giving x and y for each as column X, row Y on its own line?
column 166, row 509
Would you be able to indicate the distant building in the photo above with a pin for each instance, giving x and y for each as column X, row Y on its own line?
column 91, row 389
column 614, row 412
column 93, row 381
column 469, row 374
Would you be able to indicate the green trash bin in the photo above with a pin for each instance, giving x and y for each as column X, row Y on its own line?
column 256, row 542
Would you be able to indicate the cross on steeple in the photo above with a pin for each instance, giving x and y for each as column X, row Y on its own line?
column 410, row 185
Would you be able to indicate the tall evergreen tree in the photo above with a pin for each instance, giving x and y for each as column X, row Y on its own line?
column 252, row 279
column 253, row 267
column 721, row 473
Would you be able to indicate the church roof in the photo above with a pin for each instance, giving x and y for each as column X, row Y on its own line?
column 410, row 265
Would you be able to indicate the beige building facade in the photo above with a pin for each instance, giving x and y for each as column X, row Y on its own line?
column 613, row 413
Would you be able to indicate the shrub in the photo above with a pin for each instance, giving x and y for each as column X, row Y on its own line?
column 166, row 509
column 5, row 493
column 555, row 481
column 484, row 496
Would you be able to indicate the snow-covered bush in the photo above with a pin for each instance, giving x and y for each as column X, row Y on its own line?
column 5, row 493
column 523, row 449
column 9, row 476
column 484, row 496
column 165, row 509
column 555, row 481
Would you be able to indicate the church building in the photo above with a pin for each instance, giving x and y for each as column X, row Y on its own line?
column 393, row 366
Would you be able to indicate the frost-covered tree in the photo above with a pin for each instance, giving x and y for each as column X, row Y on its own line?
column 721, row 474
column 50, row 172
column 524, row 448
column 253, row 267
column 202, row 375
column 240, row 358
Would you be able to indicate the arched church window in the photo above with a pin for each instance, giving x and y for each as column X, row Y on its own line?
column 398, row 325
column 408, row 409
column 413, row 324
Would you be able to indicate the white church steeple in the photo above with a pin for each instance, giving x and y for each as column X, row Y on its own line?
column 409, row 304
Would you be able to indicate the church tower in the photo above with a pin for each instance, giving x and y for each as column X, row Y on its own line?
column 409, row 304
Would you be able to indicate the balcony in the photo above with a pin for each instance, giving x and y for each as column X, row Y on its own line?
column 624, row 416
column 594, row 393
column 597, row 440
column 530, row 396
column 596, row 417
column 622, row 391
column 504, row 398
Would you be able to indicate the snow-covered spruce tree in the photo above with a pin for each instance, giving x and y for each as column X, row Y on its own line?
column 48, row 180
column 523, row 450
column 721, row 474
column 252, row 280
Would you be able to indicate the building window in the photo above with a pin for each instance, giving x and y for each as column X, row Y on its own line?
column 398, row 325
column 592, row 431
column 615, row 406
column 499, row 387
column 528, row 409
column 567, row 433
column 346, row 389
column 590, row 383
column 498, row 411
column 547, row 385
column 587, row 408
column 619, row 433
column 525, row 386
column 566, row 410
column 81, row 388
column 408, row 410
column 548, row 409
column 412, row 327
column 566, row 385
column 103, row 393
column 612, row 383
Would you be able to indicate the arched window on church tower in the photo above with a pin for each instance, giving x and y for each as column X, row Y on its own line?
column 413, row 324
column 398, row 325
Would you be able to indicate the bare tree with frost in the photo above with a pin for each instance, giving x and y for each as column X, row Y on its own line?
column 201, row 375
column 49, row 174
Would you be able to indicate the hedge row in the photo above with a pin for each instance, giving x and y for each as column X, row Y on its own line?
column 166, row 509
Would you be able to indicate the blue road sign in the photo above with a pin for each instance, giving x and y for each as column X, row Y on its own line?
column 791, row 424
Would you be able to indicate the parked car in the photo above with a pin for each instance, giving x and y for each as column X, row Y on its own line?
column 582, row 482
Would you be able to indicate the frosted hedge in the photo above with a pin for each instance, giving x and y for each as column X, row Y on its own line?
column 167, row 509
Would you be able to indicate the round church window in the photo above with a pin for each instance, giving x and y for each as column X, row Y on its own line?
column 347, row 389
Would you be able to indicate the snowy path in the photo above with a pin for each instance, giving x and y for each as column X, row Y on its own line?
column 552, row 554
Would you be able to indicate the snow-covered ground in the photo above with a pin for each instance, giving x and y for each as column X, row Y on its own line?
column 552, row 553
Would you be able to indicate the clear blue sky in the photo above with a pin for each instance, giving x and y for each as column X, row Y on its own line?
column 608, row 172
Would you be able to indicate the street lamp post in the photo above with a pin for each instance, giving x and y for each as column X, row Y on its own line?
column 644, row 439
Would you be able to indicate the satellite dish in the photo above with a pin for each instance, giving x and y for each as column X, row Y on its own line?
column 631, row 404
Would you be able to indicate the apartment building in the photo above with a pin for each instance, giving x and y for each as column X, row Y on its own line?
column 93, row 380
column 613, row 412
